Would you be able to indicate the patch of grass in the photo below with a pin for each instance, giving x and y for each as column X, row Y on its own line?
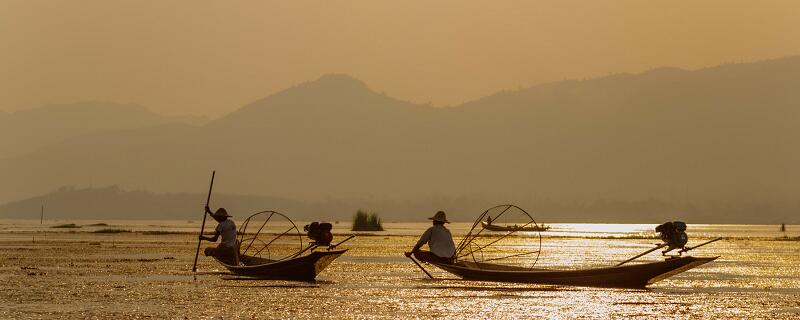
column 364, row 221
column 111, row 231
column 97, row 225
column 66, row 225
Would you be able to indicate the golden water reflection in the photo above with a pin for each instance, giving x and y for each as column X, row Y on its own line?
column 85, row 275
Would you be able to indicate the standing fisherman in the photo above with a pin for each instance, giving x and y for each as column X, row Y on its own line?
column 439, row 240
column 226, row 250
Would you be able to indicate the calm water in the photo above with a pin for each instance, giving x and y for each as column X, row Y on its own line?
column 73, row 273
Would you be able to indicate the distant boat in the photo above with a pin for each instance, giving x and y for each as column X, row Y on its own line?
column 494, row 227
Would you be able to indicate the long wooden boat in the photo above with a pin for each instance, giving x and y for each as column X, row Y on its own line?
column 304, row 268
column 494, row 227
column 626, row 276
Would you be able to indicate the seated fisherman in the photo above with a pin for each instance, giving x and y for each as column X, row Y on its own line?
column 439, row 240
column 226, row 250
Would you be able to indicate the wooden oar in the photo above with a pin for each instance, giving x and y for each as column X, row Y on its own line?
column 203, row 226
column 420, row 266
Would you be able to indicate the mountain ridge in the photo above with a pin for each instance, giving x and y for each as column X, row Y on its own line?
column 724, row 134
column 113, row 202
column 25, row 131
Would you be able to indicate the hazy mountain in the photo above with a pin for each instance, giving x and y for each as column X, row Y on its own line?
column 728, row 134
column 115, row 203
column 27, row 130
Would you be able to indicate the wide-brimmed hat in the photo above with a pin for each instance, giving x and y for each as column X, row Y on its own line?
column 221, row 212
column 439, row 216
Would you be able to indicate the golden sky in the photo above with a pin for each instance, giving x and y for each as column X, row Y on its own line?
column 211, row 57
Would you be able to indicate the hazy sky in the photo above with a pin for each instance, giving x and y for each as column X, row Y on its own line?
column 211, row 57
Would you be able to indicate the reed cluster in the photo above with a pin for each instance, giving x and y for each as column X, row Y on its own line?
column 364, row 221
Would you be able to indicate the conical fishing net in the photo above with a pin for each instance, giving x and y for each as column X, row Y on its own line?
column 269, row 235
column 504, row 234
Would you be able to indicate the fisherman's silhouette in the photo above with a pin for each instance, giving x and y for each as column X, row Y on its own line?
column 226, row 250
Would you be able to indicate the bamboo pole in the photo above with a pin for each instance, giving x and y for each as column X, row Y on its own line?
column 203, row 226
column 420, row 266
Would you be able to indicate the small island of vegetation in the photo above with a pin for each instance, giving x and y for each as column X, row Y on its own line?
column 66, row 225
column 111, row 231
column 364, row 221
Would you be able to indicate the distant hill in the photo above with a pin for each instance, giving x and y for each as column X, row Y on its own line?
column 112, row 202
column 115, row 203
column 24, row 131
column 728, row 134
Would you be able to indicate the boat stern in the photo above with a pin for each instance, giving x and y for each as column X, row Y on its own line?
column 325, row 260
column 688, row 263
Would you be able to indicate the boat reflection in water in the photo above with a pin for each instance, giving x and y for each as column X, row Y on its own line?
column 144, row 274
